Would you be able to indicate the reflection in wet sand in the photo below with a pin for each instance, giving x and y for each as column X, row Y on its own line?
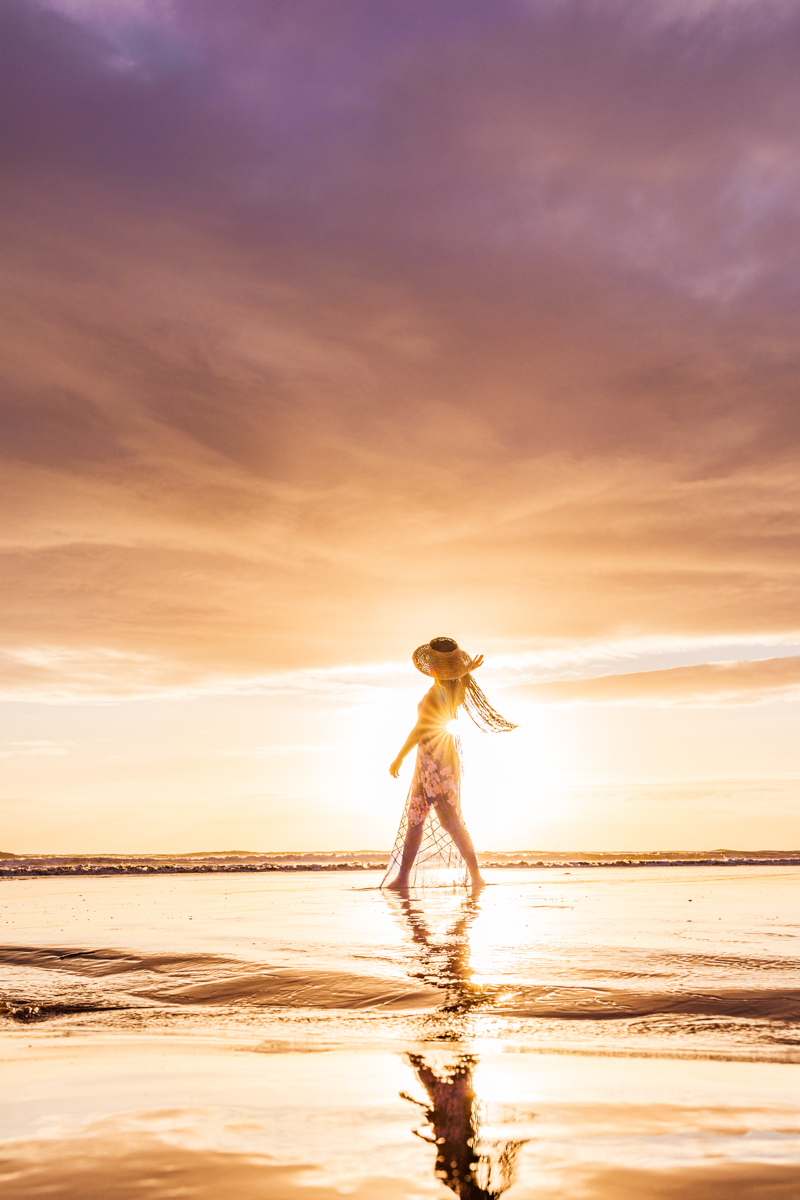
column 472, row 1167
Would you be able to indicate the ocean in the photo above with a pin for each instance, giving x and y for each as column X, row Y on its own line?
column 232, row 861
column 275, row 1025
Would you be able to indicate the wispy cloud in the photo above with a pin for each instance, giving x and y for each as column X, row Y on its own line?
column 34, row 748
column 750, row 682
column 326, row 328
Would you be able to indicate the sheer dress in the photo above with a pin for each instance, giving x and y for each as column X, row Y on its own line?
column 436, row 782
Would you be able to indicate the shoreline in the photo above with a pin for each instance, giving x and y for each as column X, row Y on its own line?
column 101, row 866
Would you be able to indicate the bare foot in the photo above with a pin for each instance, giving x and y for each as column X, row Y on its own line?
column 398, row 885
column 478, row 884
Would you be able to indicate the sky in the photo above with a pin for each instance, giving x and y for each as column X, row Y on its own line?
column 331, row 327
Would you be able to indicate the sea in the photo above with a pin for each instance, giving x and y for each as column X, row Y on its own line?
column 231, row 861
column 593, row 1026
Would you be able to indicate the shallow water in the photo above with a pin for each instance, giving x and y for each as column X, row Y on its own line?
column 592, row 1032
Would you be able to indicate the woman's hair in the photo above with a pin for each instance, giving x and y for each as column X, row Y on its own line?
column 487, row 719
column 480, row 710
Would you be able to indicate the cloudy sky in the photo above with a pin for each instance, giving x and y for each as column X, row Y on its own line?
column 331, row 326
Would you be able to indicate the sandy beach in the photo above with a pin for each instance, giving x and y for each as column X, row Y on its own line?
column 595, row 1033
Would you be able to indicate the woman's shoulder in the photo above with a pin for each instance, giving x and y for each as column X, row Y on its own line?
column 430, row 701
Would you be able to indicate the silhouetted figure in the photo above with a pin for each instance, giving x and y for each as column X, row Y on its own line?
column 474, row 1171
column 472, row 1168
column 433, row 844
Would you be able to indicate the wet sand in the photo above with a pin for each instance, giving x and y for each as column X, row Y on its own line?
column 565, row 1035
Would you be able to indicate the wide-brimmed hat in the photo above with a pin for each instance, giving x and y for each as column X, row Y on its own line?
column 441, row 657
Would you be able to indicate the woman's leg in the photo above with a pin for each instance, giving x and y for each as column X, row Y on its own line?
column 454, row 824
column 410, row 848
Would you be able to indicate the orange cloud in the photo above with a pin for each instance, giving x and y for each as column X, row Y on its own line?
column 706, row 683
column 323, row 331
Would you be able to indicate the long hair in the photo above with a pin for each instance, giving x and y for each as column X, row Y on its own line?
column 487, row 719
column 480, row 710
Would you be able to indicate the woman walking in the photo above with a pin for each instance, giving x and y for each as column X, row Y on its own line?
column 432, row 836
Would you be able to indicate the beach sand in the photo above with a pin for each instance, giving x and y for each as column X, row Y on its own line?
column 594, row 1034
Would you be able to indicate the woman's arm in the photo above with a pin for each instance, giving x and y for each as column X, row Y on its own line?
column 408, row 744
column 422, row 727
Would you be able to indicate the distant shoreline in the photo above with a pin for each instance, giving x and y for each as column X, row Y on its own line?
column 241, row 862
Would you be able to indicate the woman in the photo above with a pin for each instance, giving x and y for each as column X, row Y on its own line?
column 432, row 834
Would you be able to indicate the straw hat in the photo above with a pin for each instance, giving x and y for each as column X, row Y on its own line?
column 441, row 657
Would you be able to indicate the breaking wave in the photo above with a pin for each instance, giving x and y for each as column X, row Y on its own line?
column 14, row 866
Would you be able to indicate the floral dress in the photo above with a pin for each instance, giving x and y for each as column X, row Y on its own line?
column 436, row 781
column 437, row 778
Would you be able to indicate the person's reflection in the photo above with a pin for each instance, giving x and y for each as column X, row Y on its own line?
column 444, row 963
column 470, row 1166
